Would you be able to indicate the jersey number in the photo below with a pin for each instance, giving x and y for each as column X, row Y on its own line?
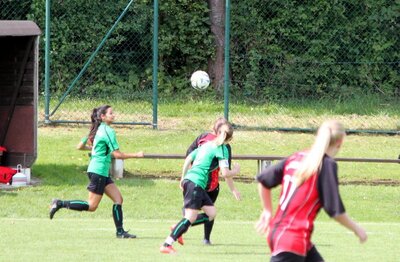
column 288, row 189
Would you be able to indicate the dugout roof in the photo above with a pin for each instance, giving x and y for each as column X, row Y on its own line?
column 18, row 28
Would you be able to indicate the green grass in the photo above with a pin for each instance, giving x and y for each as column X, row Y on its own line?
column 65, row 160
column 152, row 205
column 85, row 239
column 198, row 110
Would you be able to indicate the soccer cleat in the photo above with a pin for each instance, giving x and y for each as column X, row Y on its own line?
column 125, row 234
column 207, row 242
column 167, row 249
column 54, row 207
column 180, row 239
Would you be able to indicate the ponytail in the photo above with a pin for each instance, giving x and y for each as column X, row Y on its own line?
column 96, row 120
column 328, row 134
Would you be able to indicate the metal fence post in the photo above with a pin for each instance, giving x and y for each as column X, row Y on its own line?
column 155, row 64
column 47, row 66
column 226, row 65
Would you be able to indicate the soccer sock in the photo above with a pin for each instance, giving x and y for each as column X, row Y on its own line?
column 201, row 219
column 77, row 205
column 180, row 228
column 207, row 229
column 169, row 241
column 118, row 217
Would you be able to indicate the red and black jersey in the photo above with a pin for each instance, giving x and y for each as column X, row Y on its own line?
column 213, row 177
column 292, row 225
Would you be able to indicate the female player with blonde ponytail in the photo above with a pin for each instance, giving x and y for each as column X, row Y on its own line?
column 194, row 181
column 309, row 182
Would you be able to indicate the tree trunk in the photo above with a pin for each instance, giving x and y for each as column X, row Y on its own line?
column 216, row 67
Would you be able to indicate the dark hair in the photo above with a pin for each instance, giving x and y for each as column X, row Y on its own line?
column 96, row 120
column 93, row 117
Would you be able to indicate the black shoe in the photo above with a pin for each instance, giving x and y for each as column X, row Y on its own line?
column 207, row 242
column 125, row 234
column 54, row 207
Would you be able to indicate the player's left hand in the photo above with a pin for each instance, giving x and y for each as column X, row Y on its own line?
column 140, row 154
column 236, row 194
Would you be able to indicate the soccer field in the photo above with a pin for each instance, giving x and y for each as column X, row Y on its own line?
column 87, row 239
column 151, row 206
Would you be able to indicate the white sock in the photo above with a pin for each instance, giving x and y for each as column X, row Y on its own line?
column 169, row 240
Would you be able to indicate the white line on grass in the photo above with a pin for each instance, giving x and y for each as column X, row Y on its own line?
column 172, row 221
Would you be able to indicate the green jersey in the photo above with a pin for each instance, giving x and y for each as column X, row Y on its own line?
column 202, row 158
column 105, row 142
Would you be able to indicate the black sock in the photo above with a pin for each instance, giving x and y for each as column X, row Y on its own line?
column 180, row 228
column 200, row 219
column 207, row 229
column 118, row 217
column 77, row 205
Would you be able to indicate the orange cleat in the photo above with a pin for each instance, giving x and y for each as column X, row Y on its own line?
column 167, row 249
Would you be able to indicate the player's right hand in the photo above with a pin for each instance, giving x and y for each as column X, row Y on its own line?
column 263, row 222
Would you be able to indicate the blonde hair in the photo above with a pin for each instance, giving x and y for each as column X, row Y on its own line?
column 225, row 133
column 329, row 133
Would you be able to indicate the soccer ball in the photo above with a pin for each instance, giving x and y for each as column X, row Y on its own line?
column 200, row 80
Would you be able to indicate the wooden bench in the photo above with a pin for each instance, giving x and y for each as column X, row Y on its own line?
column 264, row 161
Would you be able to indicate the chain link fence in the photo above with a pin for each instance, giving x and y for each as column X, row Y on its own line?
column 15, row 10
column 98, row 55
column 302, row 62
column 103, row 57
column 299, row 64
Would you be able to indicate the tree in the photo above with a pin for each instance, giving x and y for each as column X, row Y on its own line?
column 216, row 65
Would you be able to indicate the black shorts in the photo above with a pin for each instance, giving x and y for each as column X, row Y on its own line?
column 98, row 183
column 195, row 197
column 312, row 256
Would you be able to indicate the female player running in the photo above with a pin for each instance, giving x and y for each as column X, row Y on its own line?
column 194, row 182
column 212, row 187
column 308, row 182
column 104, row 144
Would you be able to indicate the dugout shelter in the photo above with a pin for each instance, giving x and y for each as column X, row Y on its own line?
column 19, row 53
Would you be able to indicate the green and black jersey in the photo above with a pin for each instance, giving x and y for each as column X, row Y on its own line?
column 202, row 162
column 105, row 142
